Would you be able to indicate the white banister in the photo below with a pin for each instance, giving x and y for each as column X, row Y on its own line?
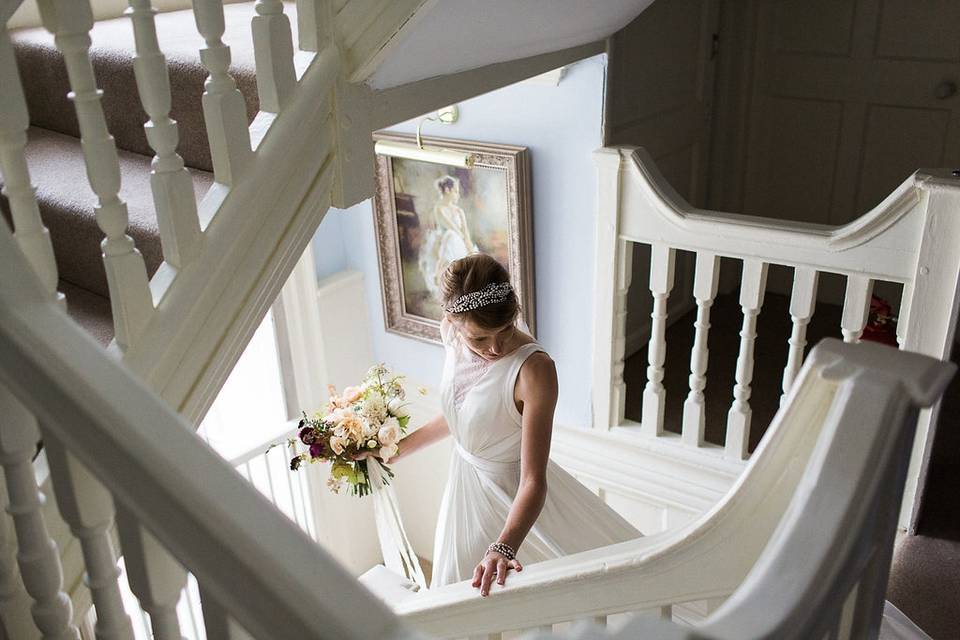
column 705, row 280
column 662, row 263
column 37, row 554
column 856, row 307
column 155, row 577
column 224, row 110
column 909, row 239
column 752, row 288
column 273, row 53
column 170, row 181
column 87, row 506
column 70, row 21
column 803, row 301
column 260, row 567
column 31, row 234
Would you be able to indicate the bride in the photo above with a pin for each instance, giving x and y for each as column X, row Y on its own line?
column 506, row 503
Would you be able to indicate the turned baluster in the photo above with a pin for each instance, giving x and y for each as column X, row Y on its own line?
column 172, row 187
column 314, row 24
column 752, row 288
column 662, row 261
column 70, row 21
column 14, row 601
column 856, row 307
column 224, row 110
column 87, row 507
column 31, row 235
column 705, row 281
column 803, row 301
column 37, row 554
column 155, row 577
column 273, row 54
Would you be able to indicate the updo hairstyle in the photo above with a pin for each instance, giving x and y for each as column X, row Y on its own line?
column 472, row 273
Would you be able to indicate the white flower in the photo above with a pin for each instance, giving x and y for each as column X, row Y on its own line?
column 371, row 444
column 388, row 452
column 338, row 444
column 399, row 408
column 390, row 432
column 374, row 408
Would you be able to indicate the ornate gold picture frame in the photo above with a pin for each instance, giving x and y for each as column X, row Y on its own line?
column 427, row 214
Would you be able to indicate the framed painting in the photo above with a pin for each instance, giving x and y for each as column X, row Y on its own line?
column 428, row 214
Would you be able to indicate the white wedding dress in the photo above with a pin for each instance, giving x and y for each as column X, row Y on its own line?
column 484, row 473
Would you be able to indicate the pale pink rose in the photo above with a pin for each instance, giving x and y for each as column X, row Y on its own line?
column 389, row 433
column 338, row 444
column 352, row 394
column 388, row 452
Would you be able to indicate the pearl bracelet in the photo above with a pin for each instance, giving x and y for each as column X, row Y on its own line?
column 504, row 549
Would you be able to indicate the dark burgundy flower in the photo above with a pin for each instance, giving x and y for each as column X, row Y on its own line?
column 295, row 463
column 318, row 450
column 308, row 435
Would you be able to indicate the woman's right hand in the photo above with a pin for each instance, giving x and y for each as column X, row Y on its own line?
column 366, row 453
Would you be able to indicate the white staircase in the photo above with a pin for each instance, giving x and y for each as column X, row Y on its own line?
column 117, row 424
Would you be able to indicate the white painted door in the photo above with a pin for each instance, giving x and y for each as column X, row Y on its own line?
column 849, row 97
column 660, row 97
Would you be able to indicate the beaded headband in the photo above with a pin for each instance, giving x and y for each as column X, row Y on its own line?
column 491, row 294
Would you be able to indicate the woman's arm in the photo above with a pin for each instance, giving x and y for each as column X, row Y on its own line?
column 432, row 431
column 537, row 390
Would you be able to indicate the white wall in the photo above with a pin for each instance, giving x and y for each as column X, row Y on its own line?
column 562, row 126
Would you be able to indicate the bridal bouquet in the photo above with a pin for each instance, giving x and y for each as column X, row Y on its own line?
column 371, row 415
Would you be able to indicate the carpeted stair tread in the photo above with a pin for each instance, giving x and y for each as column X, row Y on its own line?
column 112, row 52
column 67, row 206
column 925, row 584
column 90, row 311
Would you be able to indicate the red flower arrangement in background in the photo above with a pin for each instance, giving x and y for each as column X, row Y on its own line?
column 881, row 323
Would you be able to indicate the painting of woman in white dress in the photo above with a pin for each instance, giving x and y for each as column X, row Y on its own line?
column 430, row 214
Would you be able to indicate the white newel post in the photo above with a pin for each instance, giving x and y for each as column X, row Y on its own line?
column 31, row 235
column 856, row 307
column 224, row 110
column 314, row 24
column 662, row 263
column 155, row 576
column 87, row 507
column 273, row 54
column 705, row 281
column 614, row 264
column 931, row 314
column 752, row 288
column 803, row 301
column 70, row 21
column 172, row 187
column 37, row 555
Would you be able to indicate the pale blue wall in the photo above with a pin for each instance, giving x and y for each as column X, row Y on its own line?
column 561, row 125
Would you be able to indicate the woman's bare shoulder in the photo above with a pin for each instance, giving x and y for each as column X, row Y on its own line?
column 538, row 372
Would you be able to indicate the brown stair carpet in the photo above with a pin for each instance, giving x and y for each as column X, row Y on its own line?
column 112, row 52
column 90, row 311
column 67, row 206
column 925, row 577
